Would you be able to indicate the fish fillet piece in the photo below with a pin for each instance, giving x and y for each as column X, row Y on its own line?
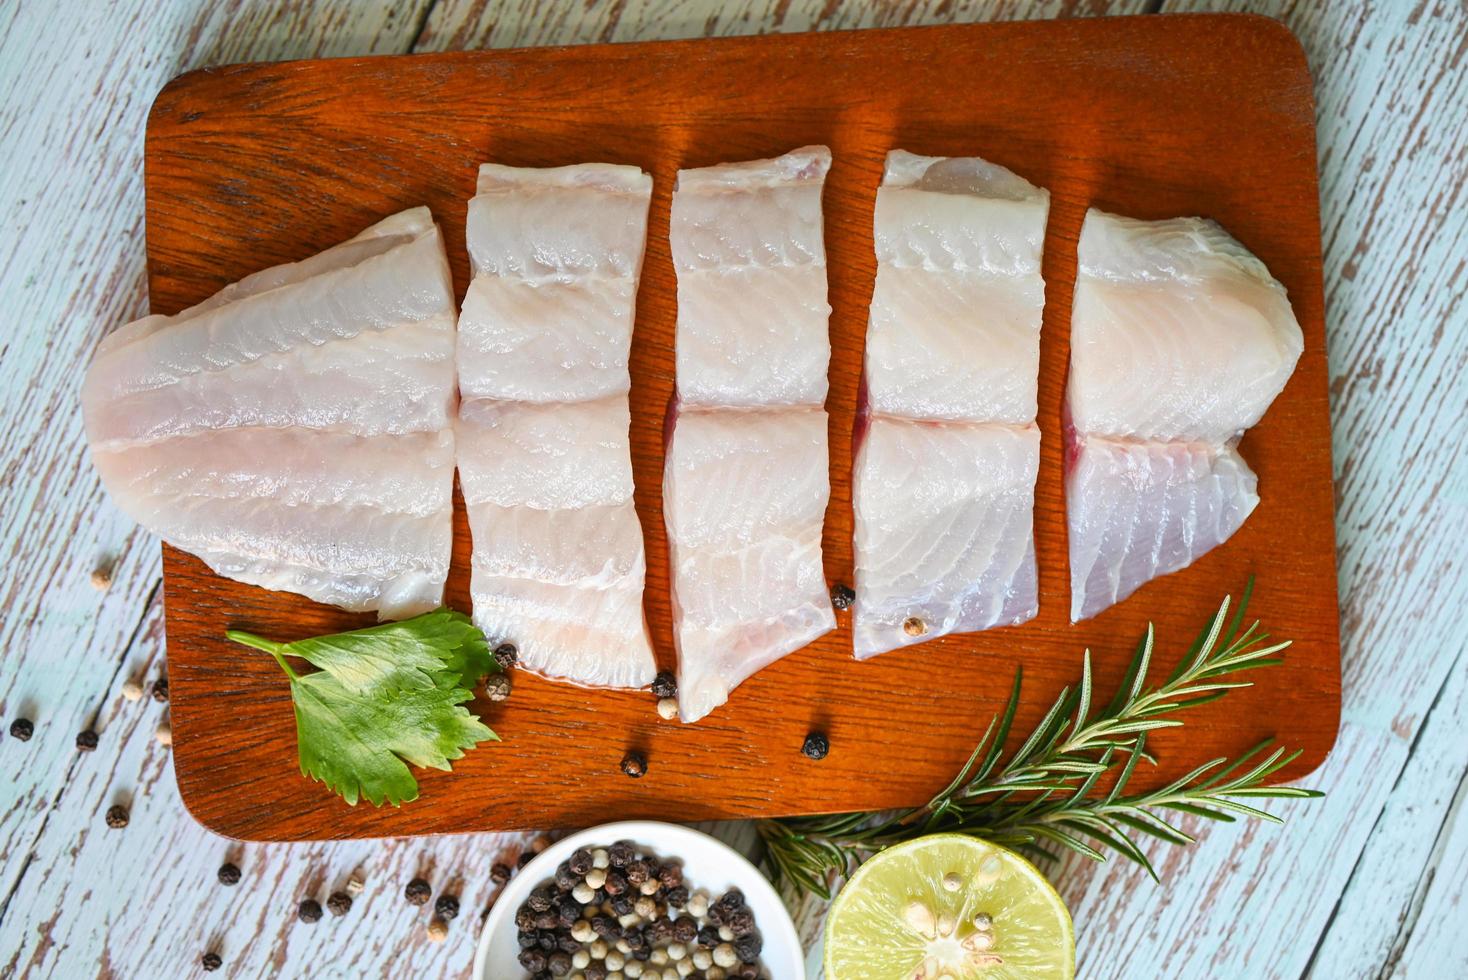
column 294, row 431
column 746, row 480
column 948, row 451
column 750, row 256
column 1180, row 340
column 745, row 495
column 544, row 458
column 944, row 541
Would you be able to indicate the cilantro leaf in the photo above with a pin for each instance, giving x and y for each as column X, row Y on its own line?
column 383, row 698
column 358, row 745
column 430, row 650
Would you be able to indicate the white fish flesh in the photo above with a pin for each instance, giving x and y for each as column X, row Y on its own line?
column 294, row 431
column 948, row 450
column 1180, row 340
column 746, row 480
column 544, row 458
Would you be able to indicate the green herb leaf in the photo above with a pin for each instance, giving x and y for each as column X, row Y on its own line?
column 384, row 697
column 1044, row 791
column 357, row 745
column 421, row 652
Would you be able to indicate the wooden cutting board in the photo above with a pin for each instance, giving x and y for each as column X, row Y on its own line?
column 252, row 165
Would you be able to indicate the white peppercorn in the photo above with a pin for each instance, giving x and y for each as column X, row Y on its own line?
column 698, row 905
column 580, row 959
column 659, row 957
column 667, row 708
column 703, row 959
column 650, row 886
column 715, row 973
column 645, row 907
column 582, row 932
column 598, row 949
column 726, row 934
column 615, row 960
column 724, row 955
column 677, row 951
column 630, row 919
column 600, row 859
column 595, row 878
column 633, row 969
column 684, row 967
column 583, row 893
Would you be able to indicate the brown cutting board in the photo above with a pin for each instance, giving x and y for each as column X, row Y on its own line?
column 1151, row 116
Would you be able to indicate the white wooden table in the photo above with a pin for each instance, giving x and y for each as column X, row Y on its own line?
column 1368, row 882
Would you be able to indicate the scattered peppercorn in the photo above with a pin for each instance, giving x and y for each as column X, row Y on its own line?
column 842, row 596
column 211, row 962
column 229, row 874
column 913, row 626
column 499, row 873
column 438, row 930
column 355, row 885
column 164, row 734
column 340, row 903
column 117, row 816
column 102, row 578
column 132, row 690
column 667, row 708
column 634, row 764
column 497, row 687
column 816, row 746
column 86, row 741
column 160, row 690
column 506, row 655
column 417, row 892
column 21, row 729
column 309, row 910
column 665, row 685
column 525, row 858
column 447, row 907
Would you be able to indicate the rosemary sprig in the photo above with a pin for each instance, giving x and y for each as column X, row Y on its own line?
column 1046, row 791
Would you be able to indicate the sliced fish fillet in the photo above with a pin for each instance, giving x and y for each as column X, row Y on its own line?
column 294, row 431
column 544, row 459
column 1180, row 340
column 746, row 480
column 944, row 478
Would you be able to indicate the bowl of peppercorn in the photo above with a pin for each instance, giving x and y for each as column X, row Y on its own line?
column 639, row 900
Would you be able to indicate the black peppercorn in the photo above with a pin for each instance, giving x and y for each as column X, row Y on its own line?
column 622, row 904
column 621, row 854
column 540, row 899
column 708, row 937
column 117, row 816
column 634, row 764
column 339, row 903
column 211, row 962
column 748, row 947
column 499, row 873
column 636, row 871
column 525, row 858
column 567, row 943
column 665, row 685
column 816, row 746
column 842, row 596
column 547, row 940
column 417, row 892
column 559, row 964
column 565, row 877
column 21, row 729
column 229, row 874
column 678, row 897
column 659, row 931
column 527, row 938
column 506, row 655
column 569, row 911
column 670, row 875
column 309, row 911
column 160, row 690
column 616, row 883
column 447, row 907
column 740, row 921
column 547, row 920
column 580, row 861
column 532, row 960
column 685, row 930
column 86, row 741
column 524, row 918
column 606, row 927
column 595, row 971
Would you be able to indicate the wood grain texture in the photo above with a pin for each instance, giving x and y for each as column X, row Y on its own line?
column 255, row 165
column 1363, row 877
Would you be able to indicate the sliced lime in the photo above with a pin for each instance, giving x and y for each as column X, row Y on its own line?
column 948, row 907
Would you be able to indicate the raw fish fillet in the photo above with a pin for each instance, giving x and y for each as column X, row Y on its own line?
column 746, row 481
column 544, row 459
column 1180, row 340
column 294, row 431
column 944, row 477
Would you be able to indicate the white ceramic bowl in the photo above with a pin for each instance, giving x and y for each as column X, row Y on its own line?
column 708, row 864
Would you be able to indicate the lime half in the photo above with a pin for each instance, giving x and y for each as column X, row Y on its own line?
column 948, row 907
